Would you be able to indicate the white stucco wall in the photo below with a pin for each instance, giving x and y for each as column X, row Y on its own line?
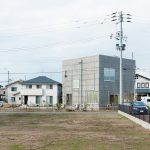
column 33, row 92
column 10, row 93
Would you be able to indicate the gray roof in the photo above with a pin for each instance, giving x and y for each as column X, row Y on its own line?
column 41, row 80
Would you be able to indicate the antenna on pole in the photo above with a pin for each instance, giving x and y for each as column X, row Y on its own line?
column 119, row 18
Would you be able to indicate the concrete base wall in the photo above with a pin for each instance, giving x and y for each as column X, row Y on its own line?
column 142, row 123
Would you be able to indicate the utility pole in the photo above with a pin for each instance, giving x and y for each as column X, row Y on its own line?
column 81, row 88
column 119, row 18
column 121, row 49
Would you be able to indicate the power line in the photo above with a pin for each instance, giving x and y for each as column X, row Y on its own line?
column 30, row 72
column 17, row 49
column 51, row 28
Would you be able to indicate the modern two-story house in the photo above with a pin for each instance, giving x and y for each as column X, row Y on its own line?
column 39, row 91
column 94, row 80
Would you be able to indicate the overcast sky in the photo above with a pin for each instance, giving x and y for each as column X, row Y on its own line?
column 36, row 35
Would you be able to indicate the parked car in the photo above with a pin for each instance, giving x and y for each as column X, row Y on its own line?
column 138, row 108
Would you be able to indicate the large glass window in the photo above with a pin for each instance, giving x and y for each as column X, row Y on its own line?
column 38, row 100
column 49, row 100
column 109, row 74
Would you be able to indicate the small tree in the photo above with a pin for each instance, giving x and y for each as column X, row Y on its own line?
column 58, row 105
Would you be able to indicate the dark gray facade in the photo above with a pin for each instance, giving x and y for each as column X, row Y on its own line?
column 94, row 80
column 109, row 90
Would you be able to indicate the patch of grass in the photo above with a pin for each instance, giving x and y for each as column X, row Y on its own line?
column 16, row 147
column 72, row 131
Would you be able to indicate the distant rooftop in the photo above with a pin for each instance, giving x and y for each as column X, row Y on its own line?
column 41, row 80
column 18, row 81
column 138, row 75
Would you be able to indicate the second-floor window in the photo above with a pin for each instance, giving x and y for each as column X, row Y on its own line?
column 38, row 86
column 143, row 85
column 138, row 85
column 29, row 86
column 13, row 88
column 109, row 74
column 49, row 86
column 146, row 85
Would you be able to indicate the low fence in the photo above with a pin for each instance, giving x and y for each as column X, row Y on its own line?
column 127, row 109
column 25, row 108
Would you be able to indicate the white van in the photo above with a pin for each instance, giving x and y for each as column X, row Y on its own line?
column 146, row 100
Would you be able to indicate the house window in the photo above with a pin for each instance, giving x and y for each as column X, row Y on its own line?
column 49, row 86
column 49, row 100
column 13, row 88
column 138, row 85
column 12, row 99
column 38, row 100
column 76, row 84
column 142, row 85
column 109, row 74
column 146, row 85
column 29, row 86
column 38, row 86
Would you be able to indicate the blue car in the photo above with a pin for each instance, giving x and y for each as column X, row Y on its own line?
column 138, row 108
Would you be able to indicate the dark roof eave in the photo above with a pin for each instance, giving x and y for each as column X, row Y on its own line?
column 142, row 76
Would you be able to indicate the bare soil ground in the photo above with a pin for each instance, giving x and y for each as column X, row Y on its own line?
column 71, row 131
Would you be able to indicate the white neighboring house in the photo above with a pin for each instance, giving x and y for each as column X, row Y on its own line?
column 142, row 86
column 13, row 95
column 41, row 91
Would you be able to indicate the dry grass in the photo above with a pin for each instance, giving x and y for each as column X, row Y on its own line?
column 71, row 131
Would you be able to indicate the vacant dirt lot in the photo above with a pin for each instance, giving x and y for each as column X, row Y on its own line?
column 71, row 131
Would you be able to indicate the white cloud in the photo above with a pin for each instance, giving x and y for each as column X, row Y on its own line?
column 32, row 30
